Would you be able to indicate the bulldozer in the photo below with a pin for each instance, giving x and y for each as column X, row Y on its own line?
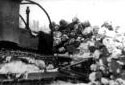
column 14, row 38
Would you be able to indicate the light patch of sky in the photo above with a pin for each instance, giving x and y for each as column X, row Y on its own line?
column 96, row 11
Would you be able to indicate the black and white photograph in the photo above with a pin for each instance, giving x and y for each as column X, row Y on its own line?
column 62, row 42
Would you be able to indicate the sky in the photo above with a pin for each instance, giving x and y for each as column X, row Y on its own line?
column 96, row 11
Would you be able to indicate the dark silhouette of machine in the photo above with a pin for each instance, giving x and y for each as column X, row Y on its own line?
column 10, row 31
